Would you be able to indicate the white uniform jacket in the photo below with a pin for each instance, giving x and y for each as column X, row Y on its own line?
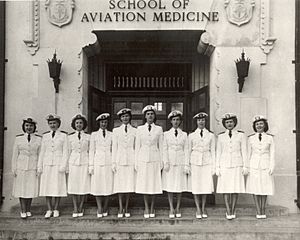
column 123, row 145
column 261, row 153
column 100, row 148
column 231, row 152
column 25, row 154
column 202, row 150
column 149, row 145
column 79, row 148
column 175, row 151
column 54, row 151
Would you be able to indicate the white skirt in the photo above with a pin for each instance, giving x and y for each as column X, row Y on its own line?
column 102, row 181
column 53, row 183
column 175, row 180
column 124, row 179
column 148, row 178
column 201, row 179
column 26, row 184
column 79, row 181
column 231, row 181
column 260, row 182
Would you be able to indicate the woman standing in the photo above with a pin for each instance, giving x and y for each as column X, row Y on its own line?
column 261, row 162
column 148, row 159
column 202, row 159
column 123, row 160
column 24, row 166
column 100, row 165
column 79, row 179
column 231, row 163
column 175, row 159
column 52, row 165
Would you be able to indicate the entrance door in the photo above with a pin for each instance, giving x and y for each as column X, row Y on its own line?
column 164, row 106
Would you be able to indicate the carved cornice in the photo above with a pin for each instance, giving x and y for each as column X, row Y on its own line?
column 33, row 41
column 266, row 40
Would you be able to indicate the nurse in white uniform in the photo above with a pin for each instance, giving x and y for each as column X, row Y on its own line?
column 123, row 160
column 202, row 160
column 148, row 159
column 52, row 165
column 175, row 159
column 261, row 164
column 231, row 163
column 24, row 166
column 100, row 165
column 79, row 181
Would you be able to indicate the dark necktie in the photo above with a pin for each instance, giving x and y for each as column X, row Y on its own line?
column 149, row 127
column 126, row 128
column 79, row 136
column 53, row 134
column 103, row 133
column 230, row 133
column 201, row 133
column 28, row 138
column 259, row 137
column 176, row 132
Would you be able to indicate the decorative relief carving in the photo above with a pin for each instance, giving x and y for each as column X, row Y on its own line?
column 239, row 12
column 33, row 41
column 60, row 12
column 205, row 45
column 266, row 41
column 217, row 98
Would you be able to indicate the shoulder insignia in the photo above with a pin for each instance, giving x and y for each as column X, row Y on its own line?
column 37, row 135
column 19, row 135
column 46, row 132
column 251, row 135
column 221, row 133
column 64, row 132
column 71, row 133
column 270, row 134
column 240, row 131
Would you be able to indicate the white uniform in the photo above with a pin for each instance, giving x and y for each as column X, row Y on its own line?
column 202, row 161
column 53, row 164
column 123, row 158
column 148, row 159
column 175, row 154
column 100, row 161
column 231, row 158
column 260, row 162
column 79, row 181
column 24, row 165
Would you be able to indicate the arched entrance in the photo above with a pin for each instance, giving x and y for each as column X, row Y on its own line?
column 136, row 68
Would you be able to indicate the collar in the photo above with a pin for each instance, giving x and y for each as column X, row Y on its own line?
column 233, row 131
column 199, row 130
column 147, row 124
column 123, row 125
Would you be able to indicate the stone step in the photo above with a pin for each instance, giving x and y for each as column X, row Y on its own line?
column 215, row 210
column 244, row 227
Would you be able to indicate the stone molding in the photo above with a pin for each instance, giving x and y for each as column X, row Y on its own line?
column 266, row 40
column 33, row 41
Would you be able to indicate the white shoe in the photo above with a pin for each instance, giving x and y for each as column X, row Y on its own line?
column 152, row 215
column 171, row 216
column 233, row 216
column 80, row 214
column 178, row 215
column 75, row 215
column 146, row 215
column 120, row 215
column 48, row 214
column 23, row 215
column 127, row 215
column 204, row 215
column 228, row 217
column 55, row 213
column 258, row 216
column 99, row 215
column 28, row 214
column 198, row 216
column 105, row 214
column 263, row 216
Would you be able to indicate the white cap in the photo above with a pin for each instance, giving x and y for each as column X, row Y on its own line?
column 227, row 116
column 78, row 116
column 103, row 116
column 123, row 111
column 200, row 115
column 175, row 113
column 258, row 118
column 149, row 108
column 52, row 117
column 29, row 120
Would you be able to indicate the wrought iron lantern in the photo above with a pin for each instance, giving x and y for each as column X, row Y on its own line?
column 242, row 67
column 54, row 71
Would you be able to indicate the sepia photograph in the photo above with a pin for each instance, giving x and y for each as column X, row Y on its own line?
column 150, row 119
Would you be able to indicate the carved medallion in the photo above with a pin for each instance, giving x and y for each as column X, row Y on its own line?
column 60, row 12
column 239, row 11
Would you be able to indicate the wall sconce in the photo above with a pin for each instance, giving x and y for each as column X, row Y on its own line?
column 54, row 71
column 242, row 67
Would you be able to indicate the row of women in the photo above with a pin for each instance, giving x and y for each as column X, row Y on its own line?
column 142, row 160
